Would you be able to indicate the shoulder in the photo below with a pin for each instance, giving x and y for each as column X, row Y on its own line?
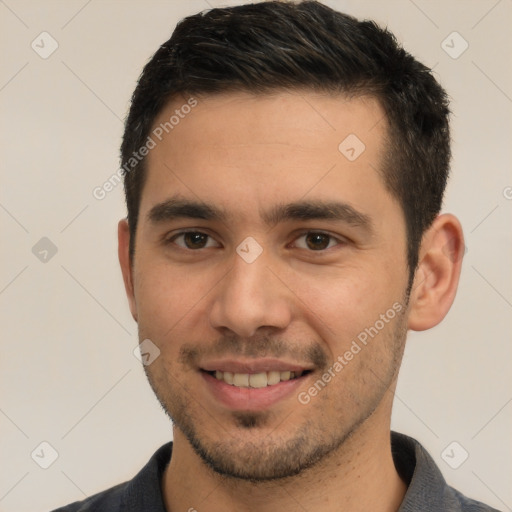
column 143, row 492
column 426, row 487
column 108, row 500
column 457, row 501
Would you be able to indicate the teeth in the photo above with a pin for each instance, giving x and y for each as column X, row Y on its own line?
column 255, row 380
column 285, row 375
column 273, row 378
column 258, row 380
column 241, row 380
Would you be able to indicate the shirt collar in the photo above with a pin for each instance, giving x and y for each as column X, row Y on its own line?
column 426, row 487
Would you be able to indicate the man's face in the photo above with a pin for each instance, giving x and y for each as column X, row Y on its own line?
column 240, row 174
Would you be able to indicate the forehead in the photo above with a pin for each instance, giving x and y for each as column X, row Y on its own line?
column 243, row 150
column 274, row 117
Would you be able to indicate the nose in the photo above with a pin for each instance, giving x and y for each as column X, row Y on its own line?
column 251, row 296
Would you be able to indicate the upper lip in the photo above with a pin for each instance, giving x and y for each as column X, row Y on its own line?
column 252, row 366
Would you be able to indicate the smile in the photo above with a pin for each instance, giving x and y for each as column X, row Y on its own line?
column 256, row 380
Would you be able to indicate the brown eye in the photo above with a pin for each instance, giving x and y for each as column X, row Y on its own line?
column 316, row 241
column 193, row 240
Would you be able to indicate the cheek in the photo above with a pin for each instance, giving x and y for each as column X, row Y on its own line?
column 163, row 296
column 172, row 304
column 344, row 305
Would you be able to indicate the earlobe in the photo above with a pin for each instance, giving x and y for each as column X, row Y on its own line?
column 123, row 250
column 437, row 276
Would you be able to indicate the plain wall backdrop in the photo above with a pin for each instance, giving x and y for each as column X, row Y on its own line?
column 68, row 376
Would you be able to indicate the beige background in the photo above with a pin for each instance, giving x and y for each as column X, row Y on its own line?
column 67, row 371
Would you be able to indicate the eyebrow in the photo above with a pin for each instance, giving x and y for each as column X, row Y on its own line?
column 318, row 210
column 176, row 208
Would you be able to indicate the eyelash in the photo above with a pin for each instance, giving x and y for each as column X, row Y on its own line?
column 172, row 239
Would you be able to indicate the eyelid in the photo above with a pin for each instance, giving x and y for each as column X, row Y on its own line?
column 169, row 238
column 338, row 238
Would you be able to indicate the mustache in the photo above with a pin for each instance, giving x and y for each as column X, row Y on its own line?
column 257, row 347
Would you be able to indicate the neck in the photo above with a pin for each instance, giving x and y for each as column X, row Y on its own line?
column 360, row 475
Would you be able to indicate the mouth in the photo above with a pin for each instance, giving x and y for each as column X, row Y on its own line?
column 257, row 380
column 253, row 384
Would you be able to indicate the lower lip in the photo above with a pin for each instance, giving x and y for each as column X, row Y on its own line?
column 251, row 399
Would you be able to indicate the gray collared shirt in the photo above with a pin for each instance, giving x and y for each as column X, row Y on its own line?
column 427, row 489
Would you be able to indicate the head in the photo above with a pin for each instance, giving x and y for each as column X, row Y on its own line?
column 274, row 46
column 263, row 97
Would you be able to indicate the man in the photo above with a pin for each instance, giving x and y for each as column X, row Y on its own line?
column 284, row 172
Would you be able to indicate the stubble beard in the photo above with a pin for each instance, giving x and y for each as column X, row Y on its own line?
column 282, row 453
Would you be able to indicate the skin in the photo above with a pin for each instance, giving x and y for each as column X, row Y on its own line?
column 302, row 304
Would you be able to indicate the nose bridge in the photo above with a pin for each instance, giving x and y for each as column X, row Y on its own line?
column 250, row 297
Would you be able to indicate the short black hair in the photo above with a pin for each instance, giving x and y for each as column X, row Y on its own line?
column 271, row 46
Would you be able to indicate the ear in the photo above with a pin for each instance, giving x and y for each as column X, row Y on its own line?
column 123, row 251
column 437, row 276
